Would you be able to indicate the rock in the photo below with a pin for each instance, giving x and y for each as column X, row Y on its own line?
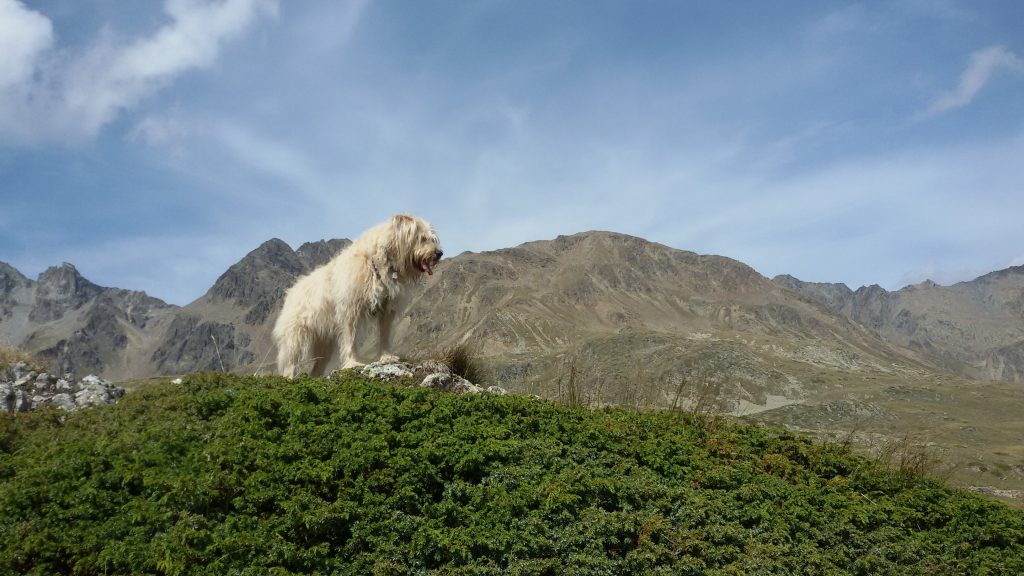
column 43, row 382
column 20, row 370
column 64, row 402
column 450, row 383
column 430, row 374
column 31, row 390
column 13, row 400
column 394, row 371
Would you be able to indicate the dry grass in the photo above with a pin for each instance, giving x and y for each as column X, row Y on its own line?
column 10, row 355
column 462, row 360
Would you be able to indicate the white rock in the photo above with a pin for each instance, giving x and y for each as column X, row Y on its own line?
column 451, row 383
column 64, row 402
column 393, row 371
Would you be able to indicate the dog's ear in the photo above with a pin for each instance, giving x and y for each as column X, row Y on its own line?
column 400, row 219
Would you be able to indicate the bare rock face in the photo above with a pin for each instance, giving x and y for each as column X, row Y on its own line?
column 429, row 374
column 22, row 389
column 975, row 328
column 59, row 290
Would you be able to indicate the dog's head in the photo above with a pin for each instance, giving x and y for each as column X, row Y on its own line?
column 417, row 243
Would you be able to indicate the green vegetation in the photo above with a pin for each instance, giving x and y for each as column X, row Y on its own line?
column 231, row 475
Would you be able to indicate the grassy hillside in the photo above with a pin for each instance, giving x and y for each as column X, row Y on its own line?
column 230, row 475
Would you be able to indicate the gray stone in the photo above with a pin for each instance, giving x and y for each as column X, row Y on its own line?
column 64, row 402
column 450, row 383
column 20, row 370
column 392, row 371
column 16, row 401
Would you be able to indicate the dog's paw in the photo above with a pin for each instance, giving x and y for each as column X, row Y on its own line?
column 389, row 359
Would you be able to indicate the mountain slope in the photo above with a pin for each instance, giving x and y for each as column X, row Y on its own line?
column 628, row 306
column 975, row 328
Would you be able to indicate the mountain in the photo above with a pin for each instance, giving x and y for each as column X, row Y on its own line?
column 602, row 318
column 120, row 334
column 619, row 305
column 628, row 309
column 975, row 328
column 77, row 325
column 228, row 328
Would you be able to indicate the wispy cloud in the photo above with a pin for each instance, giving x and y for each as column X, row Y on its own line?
column 47, row 94
column 24, row 35
column 983, row 65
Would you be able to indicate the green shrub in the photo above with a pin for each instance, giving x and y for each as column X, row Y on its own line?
column 242, row 475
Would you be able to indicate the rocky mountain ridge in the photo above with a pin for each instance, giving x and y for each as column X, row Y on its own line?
column 533, row 307
column 975, row 328
column 78, row 326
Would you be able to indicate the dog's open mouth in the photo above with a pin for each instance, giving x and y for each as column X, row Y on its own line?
column 425, row 266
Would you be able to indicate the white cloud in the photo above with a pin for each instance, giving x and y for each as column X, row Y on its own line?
column 24, row 36
column 982, row 66
column 75, row 94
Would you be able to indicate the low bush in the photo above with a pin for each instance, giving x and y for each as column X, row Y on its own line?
column 243, row 475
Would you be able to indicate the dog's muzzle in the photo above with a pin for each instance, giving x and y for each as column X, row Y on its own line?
column 428, row 264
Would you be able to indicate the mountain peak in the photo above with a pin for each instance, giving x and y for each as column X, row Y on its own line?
column 256, row 282
column 8, row 271
column 316, row 254
column 244, row 280
column 60, row 289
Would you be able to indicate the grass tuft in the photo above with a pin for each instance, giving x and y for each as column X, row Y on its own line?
column 11, row 355
column 462, row 360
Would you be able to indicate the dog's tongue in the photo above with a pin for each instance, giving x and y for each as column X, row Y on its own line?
column 426, row 266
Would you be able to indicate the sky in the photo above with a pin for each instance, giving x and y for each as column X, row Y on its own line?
column 153, row 143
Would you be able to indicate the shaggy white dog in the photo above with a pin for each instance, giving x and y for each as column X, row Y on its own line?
column 371, row 278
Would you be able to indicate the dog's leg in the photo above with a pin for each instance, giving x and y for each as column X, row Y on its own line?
column 347, row 341
column 294, row 350
column 385, row 319
column 323, row 351
column 286, row 359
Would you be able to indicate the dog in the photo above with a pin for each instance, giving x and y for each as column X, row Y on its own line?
column 371, row 278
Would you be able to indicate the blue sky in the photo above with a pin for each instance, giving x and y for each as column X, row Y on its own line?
column 154, row 143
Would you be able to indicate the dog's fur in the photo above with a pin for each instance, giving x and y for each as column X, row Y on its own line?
column 371, row 278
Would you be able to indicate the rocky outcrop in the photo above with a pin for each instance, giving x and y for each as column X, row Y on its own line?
column 429, row 374
column 257, row 282
column 59, row 290
column 23, row 389
column 192, row 344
